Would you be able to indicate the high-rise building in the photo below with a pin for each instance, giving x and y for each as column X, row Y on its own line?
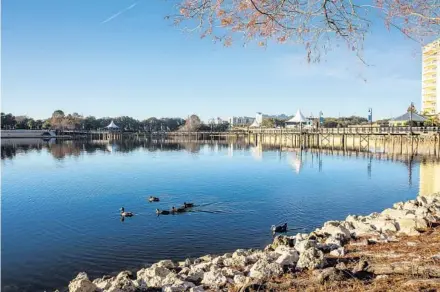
column 431, row 78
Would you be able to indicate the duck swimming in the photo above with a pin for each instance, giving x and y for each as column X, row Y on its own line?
column 178, row 210
column 153, row 199
column 188, row 205
column 280, row 229
column 126, row 214
column 162, row 212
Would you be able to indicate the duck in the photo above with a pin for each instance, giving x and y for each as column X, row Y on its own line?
column 280, row 228
column 126, row 214
column 153, row 199
column 188, row 205
column 162, row 212
column 177, row 210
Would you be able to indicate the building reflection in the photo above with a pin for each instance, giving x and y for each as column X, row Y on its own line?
column 296, row 160
column 429, row 178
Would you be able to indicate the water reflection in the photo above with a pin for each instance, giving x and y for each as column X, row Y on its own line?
column 429, row 165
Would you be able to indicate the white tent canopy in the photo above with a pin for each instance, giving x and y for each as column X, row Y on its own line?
column 255, row 124
column 298, row 118
column 112, row 126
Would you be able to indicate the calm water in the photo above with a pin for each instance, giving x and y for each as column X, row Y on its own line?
column 60, row 202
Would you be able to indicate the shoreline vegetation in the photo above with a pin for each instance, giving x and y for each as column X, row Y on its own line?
column 397, row 249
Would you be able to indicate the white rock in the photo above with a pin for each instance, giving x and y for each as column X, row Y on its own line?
column 103, row 284
column 178, row 288
column 195, row 275
column 81, row 284
column 384, row 225
column 214, row 279
column 122, row 282
column 218, row 261
column 302, row 245
column 240, row 252
column 288, row 259
column 410, row 226
column 202, row 266
column 153, row 272
column 340, row 252
column 186, row 263
column 263, row 269
column 165, row 264
column 237, row 261
column 228, row 272
column 197, row 289
column 334, row 229
column 311, row 258
column 172, row 279
column 239, row 280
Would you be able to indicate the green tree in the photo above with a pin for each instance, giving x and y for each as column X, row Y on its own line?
column 46, row 125
column 268, row 123
column 31, row 123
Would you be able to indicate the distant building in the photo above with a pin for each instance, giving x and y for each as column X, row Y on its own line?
column 404, row 120
column 240, row 121
column 431, row 78
column 258, row 120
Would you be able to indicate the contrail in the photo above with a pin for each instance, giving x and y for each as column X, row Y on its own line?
column 120, row 12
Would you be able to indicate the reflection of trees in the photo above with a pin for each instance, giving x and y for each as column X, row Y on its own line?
column 10, row 151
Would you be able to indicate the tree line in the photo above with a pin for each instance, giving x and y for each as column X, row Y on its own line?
column 61, row 121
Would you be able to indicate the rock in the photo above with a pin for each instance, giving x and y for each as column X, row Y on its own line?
column 195, row 275
column 396, row 214
column 184, row 286
column 184, row 271
column 153, row 271
column 335, row 230
column 202, row 266
column 240, row 252
column 361, row 227
column 361, row 266
column 172, row 279
column 254, row 257
column 165, row 264
column 123, row 283
column 311, row 258
column 237, row 261
column 214, row 279
column 197, row 289
column 230, row 273
column 340, row 252
column 103, row 283
column 328, row 274
column 384, row 225
column 288, row 259
column 263, row 269
column 218, row 261
column 81, row 284
column 410, row 226
column 381, row 277
column 240, row 280
column 302, row 245
column 186, row 263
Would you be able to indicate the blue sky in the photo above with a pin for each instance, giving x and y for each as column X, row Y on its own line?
column 59, row 54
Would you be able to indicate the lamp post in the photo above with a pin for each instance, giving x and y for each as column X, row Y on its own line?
column 411, row 109
column 370, row 118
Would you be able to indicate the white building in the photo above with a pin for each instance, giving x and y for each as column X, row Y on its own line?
column 258, row 120
column 240, row 121
column 431, row 78
column 298, row 120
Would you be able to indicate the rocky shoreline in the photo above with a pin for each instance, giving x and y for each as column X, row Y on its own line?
column 324, row 251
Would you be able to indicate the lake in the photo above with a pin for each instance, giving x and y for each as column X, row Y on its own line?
column 61, row 201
